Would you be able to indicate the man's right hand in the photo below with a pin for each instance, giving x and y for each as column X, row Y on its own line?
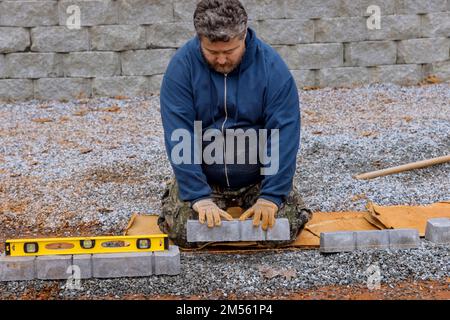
column 207, row 208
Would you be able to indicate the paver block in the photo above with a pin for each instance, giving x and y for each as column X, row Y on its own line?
column 117, row 37
column 425, row 50
column 404, row 74
column 237, row 231
column 167, row 262
column 341, row 241
column 62, row 88
column 250, row 233
column 53, row 267
column 376, row 239
column 33, row 65
column 312, row 56
column 59, row 39
column 169, row 34
column 343, row 77
column 438, row 230
column 144, row 12
column 13, row 39
column 17, row 89
column 123, row 86
column 91, row 64
column 371, row 53
column 115, row 265
column 93, row 12
column 28, row 13
column 304, row 78
column 197, row 232
column 280, row 231
column 403, row 238
column 84, row 263
column 145, row 62
column 16, row 268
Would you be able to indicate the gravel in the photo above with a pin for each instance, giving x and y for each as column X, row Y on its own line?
column 265, row 273
column 84, row 166
column 351, row 131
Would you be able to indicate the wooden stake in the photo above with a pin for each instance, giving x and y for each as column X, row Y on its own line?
column 405, row 167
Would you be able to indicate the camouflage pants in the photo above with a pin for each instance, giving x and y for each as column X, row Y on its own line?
column 175, row 212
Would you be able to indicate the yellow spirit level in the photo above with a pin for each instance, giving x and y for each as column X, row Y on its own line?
column 86, row 245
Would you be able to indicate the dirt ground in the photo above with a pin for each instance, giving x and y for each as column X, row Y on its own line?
column 423, row 290
column 406, row 290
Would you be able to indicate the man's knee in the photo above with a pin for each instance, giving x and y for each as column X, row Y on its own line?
column 173, row 220
column 174, row 215
column 293, row 206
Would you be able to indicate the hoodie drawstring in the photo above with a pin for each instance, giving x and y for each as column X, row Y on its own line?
column 236, row 114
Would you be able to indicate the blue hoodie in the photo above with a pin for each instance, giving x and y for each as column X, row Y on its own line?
column 260, row 94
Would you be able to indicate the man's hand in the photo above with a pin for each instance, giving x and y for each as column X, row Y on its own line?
column 207, row 208
column 262, row 209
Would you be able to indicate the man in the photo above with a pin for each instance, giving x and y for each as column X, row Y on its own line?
column 226, row 85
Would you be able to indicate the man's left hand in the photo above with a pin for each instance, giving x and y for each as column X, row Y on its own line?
column 264, row 210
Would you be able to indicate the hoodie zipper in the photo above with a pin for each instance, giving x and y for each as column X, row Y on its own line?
column 223, row 132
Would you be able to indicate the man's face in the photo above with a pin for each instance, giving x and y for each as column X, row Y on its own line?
column 223, row 57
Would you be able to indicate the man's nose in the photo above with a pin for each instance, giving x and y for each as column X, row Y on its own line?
column 221, row 60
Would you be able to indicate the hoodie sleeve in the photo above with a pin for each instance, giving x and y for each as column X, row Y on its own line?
column 282, row 112
column 177, row 112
